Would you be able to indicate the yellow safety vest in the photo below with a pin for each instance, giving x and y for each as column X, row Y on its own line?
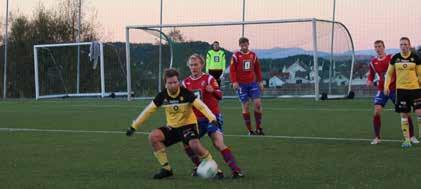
column 215, row 60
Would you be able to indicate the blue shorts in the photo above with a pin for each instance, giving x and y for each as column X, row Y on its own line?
column 206, row 127
column 381, row 99
column 247, row 91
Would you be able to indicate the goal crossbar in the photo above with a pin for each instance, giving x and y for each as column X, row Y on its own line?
column 243, row 23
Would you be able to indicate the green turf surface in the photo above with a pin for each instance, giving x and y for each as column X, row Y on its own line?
column 111, row 160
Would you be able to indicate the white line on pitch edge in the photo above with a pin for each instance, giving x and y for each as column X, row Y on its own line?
column 228, row 135
column 223, row 107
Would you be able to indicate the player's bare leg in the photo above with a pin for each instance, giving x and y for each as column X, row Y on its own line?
column 246, row 117
column 196, row 161
column 198, row 149
column 203, row 153
column 193, row 157
column 156, row 138
column 258, row 115
column 218, row 143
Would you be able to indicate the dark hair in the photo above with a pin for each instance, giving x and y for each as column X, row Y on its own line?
column 170, row 72
column 405, row 38
column 243, row 40
column 379, row 42
column 215, row 42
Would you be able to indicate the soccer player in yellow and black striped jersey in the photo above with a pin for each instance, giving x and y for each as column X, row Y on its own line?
column 407, row 66
column 178, row 103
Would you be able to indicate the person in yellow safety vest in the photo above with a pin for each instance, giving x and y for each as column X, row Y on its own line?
column 215, row 62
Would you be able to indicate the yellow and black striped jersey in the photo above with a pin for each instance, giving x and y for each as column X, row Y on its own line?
column 178, row 108
column 408, row 71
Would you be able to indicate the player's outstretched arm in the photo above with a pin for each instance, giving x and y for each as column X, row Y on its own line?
column 208, row 60
column 418, row 69
column 233, row 73
column 233, row 70
column 213, row 88
column 224, row 62
column 371, row 75
column 389, row 74
column 146, row 113
column 258, row 71
column 199, row 105
column 259, row 76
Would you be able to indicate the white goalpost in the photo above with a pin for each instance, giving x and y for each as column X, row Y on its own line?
column 56, row 76
column 296, row 54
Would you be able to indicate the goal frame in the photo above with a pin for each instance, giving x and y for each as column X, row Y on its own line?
column 314, row 21
column 101, row 93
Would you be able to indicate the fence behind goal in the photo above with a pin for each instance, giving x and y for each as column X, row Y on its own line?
column 289, row 52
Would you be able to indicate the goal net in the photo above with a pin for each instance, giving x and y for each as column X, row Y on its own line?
column 298, row 58
column 60, row 71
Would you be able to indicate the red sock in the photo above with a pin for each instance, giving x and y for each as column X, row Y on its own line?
column 258, row 118
column 246, row 117
column 230, row 160
column 411, row 127
column 377, row 125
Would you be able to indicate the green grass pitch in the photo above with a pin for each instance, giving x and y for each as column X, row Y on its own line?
column 52, row 158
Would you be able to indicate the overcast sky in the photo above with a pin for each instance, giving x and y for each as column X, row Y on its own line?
column 367, row 20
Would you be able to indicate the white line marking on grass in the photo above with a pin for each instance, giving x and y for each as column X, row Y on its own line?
column 227, row 135
column 328, row 109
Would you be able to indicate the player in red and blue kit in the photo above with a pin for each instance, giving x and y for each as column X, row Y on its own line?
column 206, row 88
column 378, row 66
column 246, row 78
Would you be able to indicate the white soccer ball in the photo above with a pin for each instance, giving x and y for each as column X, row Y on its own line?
column 207, row 169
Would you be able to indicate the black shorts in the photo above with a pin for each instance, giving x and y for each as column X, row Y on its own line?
column 407, row 100
column 216, row 74
column 175, row 135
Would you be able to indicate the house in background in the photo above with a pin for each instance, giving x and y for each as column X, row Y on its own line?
column 276, row 81
column 299, row 72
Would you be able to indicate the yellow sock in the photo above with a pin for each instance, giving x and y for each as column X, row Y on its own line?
column 161, row 156
column 405, row 128
column 207, row 156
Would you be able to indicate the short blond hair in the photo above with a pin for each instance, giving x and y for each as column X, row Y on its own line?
column 196, row 56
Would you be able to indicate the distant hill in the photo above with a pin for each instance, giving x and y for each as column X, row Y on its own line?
column 286, row 52
column 371, row 52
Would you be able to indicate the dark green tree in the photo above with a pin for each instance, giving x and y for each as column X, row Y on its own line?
column 56, row 25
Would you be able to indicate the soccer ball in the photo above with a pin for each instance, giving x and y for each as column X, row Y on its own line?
column 207, row 169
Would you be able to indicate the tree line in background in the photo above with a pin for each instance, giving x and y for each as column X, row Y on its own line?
column 55, row 25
